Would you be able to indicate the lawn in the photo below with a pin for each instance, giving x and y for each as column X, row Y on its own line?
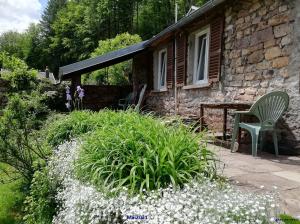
column 10, row 198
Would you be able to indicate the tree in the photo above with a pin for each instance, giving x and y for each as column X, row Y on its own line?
column 11, row 42
column 46, row 33
column 117, row 74
column 70, row 30
column 152, row 16
column 71, row 40
column 49, row 16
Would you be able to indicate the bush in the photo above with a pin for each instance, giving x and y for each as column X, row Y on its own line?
column 40, row 205
column 20, row 145
column 140, row 152
column 18, row 74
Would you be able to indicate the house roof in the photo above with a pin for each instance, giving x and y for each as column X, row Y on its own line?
column 102, row 61
column 124, row 54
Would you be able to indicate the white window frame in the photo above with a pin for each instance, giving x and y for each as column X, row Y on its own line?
column 196, row 52
column 159, row 86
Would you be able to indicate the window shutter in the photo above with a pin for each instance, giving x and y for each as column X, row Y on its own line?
column 181, row 59
column 215, row 49
column 150, row 80
column 170, row 64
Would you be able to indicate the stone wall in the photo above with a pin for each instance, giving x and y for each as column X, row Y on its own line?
column 261, row 54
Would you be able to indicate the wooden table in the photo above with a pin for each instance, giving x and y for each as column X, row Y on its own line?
column 225, row 107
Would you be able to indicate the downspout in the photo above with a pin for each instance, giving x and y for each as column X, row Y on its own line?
column 175, row 62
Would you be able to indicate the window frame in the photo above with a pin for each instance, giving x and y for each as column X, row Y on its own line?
column 200, row 33
column 160, row 53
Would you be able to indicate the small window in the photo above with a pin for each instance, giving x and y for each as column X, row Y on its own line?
column 162, row 69
column 201, row 57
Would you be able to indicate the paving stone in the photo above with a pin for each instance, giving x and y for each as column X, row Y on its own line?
column 249, row 174
column 289, row 175
column 233, row 172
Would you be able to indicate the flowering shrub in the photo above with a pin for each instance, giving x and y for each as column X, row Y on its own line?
column 197, row 202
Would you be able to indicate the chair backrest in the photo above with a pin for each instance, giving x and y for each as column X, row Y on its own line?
column 270, row 107
column 141, row 97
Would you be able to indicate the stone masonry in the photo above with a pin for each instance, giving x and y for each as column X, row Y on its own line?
column 261, row 54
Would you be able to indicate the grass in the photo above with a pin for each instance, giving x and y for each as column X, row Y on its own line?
column 140, row 152
column 10, row 198
column 289, row 219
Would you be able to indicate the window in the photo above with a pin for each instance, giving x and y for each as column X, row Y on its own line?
column 162, row 69
column 201, row 57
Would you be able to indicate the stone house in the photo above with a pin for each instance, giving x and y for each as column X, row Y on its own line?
column 230, row 51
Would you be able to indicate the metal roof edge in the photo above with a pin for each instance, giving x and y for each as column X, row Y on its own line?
column 142, row 46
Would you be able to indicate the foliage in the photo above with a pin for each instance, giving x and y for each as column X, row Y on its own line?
column 287, row 219
column 11, row 195
column 19, row 144
column 201, row 201
column 41, row 54
column 40, row 205
column 170, row 156
column 71, row 39
column 10, row 42
column 116, row 74
column 11, row 63
column 17, row 73
column 127, row 150
column 66, row 127
column 70, row 30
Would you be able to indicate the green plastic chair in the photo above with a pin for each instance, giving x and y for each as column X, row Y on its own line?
column 125, row 103
column 268, row 109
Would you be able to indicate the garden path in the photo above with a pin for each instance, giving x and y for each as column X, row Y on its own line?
column 263, row 173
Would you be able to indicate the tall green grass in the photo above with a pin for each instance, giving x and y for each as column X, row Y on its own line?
column 139, row 152
column 11, row 197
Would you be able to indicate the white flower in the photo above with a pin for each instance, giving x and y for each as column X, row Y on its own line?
column 202, row 203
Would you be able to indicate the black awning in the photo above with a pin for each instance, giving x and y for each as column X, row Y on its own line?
column 102, row 61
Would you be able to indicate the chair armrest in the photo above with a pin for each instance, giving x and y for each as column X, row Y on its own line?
column 242, row 112
column 122, row 101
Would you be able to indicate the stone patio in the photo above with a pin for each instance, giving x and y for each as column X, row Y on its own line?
column 263, row 173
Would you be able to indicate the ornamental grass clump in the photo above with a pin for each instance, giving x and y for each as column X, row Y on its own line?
column 140, row 152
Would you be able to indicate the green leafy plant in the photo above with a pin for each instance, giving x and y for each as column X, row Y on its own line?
column 287, row 219
column 63, row 128
column 11, row 195
column 20, row 144
column 40, row 205
column 140, row 152
column 18, row 74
